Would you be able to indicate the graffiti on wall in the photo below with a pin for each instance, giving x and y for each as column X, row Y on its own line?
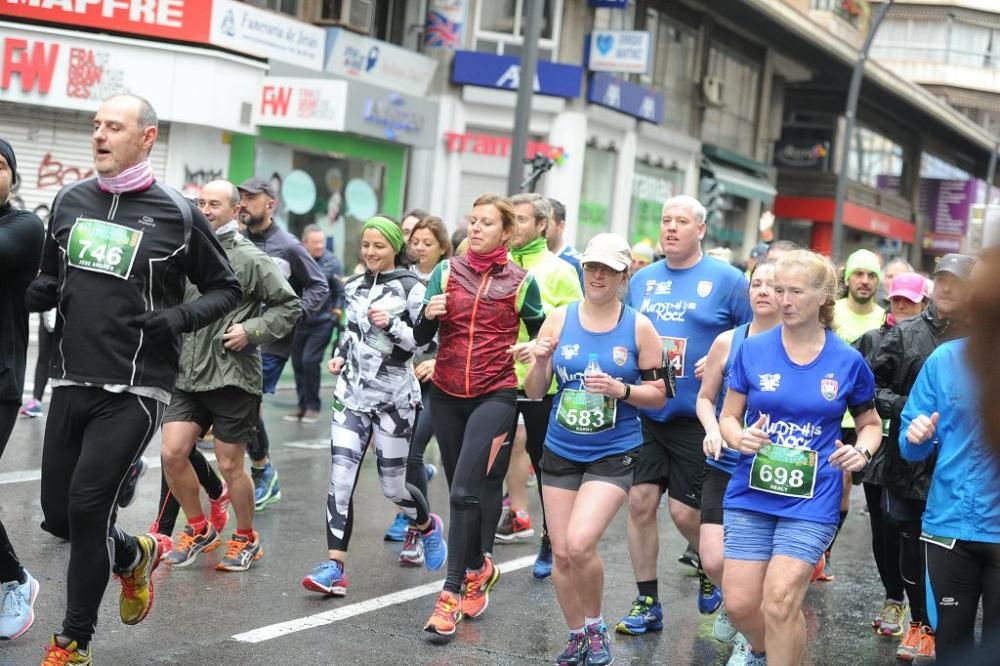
column 195, row 178
column 53, row 173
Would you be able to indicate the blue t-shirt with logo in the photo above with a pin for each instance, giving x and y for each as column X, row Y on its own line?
column 618, row 355
column 689, row 307
column 803, row 405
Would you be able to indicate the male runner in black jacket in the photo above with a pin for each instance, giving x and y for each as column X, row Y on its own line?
column 118, row 249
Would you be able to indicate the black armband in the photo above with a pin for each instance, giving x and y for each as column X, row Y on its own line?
column 862, row 408
column 666, row 373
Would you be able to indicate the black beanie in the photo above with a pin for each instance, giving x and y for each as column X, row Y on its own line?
column 7, row 152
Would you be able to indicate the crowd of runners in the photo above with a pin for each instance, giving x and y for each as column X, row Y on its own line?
column 746, row 404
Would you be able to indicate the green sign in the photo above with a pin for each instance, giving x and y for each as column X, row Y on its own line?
column 784, row 470
column 103, row 247
column 578, row 413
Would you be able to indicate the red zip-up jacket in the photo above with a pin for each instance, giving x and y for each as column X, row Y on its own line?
column 484, row 313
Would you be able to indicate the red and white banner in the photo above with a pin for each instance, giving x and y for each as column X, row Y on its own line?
column 182, row 20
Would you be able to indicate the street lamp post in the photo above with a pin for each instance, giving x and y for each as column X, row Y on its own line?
column 525, row 91
column 852, row 108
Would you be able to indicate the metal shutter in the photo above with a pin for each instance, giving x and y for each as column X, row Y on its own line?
column 53, row 149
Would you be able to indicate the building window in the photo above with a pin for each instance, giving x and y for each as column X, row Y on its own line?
column 673, row 67
column 874, row 160
column 732, row 124
column 597, row 193
column 651, row 186
column 500, row 27
column 949, row 40
column 290, row 7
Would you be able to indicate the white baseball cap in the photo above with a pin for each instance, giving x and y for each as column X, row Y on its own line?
column 609, row 249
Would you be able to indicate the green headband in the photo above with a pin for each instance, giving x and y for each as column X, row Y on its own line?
column 387, row 228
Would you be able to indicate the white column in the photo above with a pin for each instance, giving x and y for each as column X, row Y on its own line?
column 446, row 174
column 563, row 182
column 621, row 205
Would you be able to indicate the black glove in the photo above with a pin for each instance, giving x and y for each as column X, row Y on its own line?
column 42, row 294
column 160, row 325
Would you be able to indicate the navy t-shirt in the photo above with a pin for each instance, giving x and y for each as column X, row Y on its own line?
column 804, row 405
column 689, row 307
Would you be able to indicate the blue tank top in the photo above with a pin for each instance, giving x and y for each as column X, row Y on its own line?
column 729, row 459
column 584, row 434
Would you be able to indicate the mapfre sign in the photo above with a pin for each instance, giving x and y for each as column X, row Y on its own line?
column 183, row 20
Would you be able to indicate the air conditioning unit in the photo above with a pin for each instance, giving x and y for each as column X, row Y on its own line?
column 711, row 90
column 358, row 15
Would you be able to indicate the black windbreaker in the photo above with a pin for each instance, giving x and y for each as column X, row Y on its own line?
column 168, row 239
column 21, row 237
column 896, row 362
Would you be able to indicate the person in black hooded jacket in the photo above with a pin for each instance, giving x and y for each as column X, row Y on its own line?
column 896, row 361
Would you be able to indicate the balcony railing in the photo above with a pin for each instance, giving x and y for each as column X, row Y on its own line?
column 852, row 11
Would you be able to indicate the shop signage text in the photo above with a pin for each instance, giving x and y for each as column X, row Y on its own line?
column 380, row 63
column 820, row 209
column 301, row 103
column 390, row 116
column 626, row 51
column 496, row 146
column 174, row 19
column 495, row 71
column 33, row 63
column 628, row 98
column 245, row 28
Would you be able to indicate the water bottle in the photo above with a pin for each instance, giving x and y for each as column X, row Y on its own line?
column 594, row 400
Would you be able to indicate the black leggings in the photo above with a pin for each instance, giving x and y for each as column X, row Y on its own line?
column 912, row 568
column 166, row 519
column 423, row 430
column 536, row 424
column 10, row 566
column 471, row 434
column 92, row 438
column 957, row 580
column 258, row 447
column 885, row 543
column 42, row 362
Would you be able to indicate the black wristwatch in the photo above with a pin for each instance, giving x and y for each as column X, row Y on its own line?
column 628, row 392
column 864, row 452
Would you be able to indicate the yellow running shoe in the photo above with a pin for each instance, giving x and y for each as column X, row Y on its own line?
column 56, row 655
column 136, row 597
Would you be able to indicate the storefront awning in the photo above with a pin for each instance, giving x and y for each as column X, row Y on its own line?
column 745, row 185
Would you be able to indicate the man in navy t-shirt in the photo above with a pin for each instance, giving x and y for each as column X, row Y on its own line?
column 690, row 298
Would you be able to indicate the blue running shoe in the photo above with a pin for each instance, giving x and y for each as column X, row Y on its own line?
column 327, row 578
column 543, row 563
column 266, row 490
column 575, row 652
column 724, row 630
column 435, row 546
column 17, row 607
column 397, row 531
column 646, row 615
column 598, row 645
column 709, row 596
column 430, row 470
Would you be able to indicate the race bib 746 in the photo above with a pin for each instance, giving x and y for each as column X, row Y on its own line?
column 103, row 247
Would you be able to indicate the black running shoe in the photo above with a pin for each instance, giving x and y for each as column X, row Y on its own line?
column 127, row 493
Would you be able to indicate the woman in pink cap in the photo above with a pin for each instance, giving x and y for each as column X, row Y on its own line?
column 908, row 297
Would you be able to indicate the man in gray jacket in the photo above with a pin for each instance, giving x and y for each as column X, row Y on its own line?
column 219, row 386
column 257, row 203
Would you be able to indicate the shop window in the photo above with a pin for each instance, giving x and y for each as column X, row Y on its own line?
column 673, row 67
column 500, row 27
column 290, row 7
column 874, row 160
column 651, row 186
column 336, row 192
column 596, row 194
column 732, row 123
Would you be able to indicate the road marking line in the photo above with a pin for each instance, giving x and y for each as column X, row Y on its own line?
column 280, row 629
column 312, row 444
column 36, row 474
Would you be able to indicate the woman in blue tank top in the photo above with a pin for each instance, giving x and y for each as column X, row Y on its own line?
column 720, row 460
column 599, row 350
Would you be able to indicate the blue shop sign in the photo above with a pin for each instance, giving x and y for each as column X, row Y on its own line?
column 628, row 98
column 609, row 4
column 472, row 68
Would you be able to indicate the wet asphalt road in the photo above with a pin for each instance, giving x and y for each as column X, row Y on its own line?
column 198, row 611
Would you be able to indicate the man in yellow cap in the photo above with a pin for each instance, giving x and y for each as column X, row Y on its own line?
column 858, row 313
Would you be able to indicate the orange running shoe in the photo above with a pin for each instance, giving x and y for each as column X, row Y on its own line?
column 219, row 513
column 908, row 647
column 70, row 655
column 926, row 652
column 818, row 571
column 478, row 585
column 440, row 629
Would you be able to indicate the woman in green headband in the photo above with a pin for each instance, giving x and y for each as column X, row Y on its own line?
column 381, row 244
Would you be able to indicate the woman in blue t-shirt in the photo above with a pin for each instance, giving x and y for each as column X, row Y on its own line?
column 720, row 460
column 594, row 433
column 782, row 505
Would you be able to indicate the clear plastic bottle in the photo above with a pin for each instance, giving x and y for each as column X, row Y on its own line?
column 594, row 400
